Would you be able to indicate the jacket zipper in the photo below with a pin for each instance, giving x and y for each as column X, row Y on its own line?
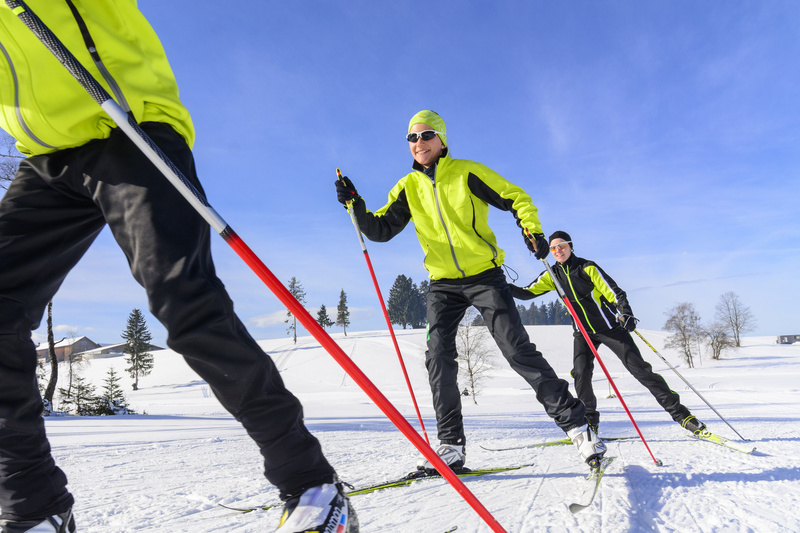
column 90, row 46
column 569, row 280
column 441, row 218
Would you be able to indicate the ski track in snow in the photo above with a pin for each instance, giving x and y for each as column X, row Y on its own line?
column 169, row 469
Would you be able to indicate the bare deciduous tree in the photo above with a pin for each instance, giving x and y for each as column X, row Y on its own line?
column 684, row 323
column 473, row 353
column 9, row 159
column 735, row 316
column 51, row 385
column 717, row 339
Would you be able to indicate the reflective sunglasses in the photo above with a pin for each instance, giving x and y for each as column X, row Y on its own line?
column 426, row 135
column 560, row 246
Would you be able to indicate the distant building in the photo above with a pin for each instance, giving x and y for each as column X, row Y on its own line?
column 83, row 348
column 788, row 339
column 67, row 347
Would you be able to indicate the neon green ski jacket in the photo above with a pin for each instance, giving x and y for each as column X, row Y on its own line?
column 451, row 215
column 43, row 106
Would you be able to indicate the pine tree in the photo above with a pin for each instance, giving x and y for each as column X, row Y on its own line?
column 296, row 288
column 112, row 400
column 81, row 400
column 420, row 307
column 343, row 313
column 403, row 302
column 137, row 338
column 322, row 317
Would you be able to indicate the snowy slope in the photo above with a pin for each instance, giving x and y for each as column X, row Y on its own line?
column 167, row 470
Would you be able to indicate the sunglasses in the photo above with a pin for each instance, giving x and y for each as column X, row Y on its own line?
column 426, row 135
column 560, row 246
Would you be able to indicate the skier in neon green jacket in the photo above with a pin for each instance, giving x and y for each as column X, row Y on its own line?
column 84, row 174
column 448, row 201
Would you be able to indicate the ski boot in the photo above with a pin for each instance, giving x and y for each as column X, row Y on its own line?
column 322, row 508
column 60, row 523
column 453, row 456
column 589, row 445
column 691, row 423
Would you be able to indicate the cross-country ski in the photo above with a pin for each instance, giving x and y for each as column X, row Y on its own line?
column 592, row 485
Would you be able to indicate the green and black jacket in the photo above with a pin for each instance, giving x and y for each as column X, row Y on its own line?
column 589, row 289
column 450, row 211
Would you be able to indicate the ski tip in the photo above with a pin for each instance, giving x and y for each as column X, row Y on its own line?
column 576, row 507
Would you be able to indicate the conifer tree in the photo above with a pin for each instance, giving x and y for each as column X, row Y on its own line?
column 343, row 313
column 137, row 345
column 322, row 317
column 112, row 400
column 296, row 288
column 81, row 399
column 404, row 298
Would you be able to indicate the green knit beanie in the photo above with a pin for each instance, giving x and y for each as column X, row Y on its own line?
column 432, row 119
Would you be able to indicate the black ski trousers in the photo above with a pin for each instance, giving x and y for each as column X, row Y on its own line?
column 621, row 343
column 447, row 301
column 49, row 216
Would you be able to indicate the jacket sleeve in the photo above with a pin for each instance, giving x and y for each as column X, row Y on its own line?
column 541, row 285
column 608, row 288
column 388, row 221
column 497, row 191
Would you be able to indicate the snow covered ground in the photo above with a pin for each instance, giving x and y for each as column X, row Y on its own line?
column 167, row 470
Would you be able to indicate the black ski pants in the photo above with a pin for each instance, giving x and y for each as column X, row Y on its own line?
column 49, row 216
column 448, row 301
column 621, row 343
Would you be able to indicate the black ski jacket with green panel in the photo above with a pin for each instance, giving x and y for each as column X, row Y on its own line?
column 450, row 211
column 593, row 294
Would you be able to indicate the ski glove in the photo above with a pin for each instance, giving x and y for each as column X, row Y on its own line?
column 542, row 248
column 345, row 191
column 519, row 293
column 628, row 322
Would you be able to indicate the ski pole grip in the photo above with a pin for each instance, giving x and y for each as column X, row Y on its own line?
column 64, row 56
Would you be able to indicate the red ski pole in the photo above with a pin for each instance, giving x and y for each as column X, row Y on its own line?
column 129, row 126
column 563, row 296
column 385, row 312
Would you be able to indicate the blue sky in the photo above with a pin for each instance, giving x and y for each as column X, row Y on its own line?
column 664, row 136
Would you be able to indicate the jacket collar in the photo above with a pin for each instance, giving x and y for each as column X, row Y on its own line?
column 571, row 262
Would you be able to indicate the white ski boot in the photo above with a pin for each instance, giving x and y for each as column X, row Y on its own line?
column 60, row 523
column 322, row 508
column 453, row 456
column 589, row 445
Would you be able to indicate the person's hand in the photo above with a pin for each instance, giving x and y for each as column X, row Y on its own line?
column 541, row 248
column 345, row 190
column 628, row 322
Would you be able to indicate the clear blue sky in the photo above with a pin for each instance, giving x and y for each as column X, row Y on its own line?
column 664, row 136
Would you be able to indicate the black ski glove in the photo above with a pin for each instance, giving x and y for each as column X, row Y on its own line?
column 345, row 191
column 542, row 248
column 519, row 293
column 628, row 322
